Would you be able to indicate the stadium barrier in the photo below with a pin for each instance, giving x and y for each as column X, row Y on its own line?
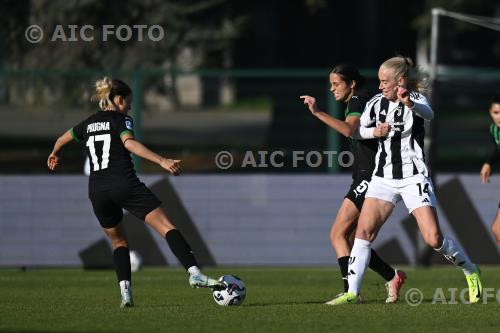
column 230, row 220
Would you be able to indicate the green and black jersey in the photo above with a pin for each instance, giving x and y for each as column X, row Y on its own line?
column 111, row 165
column 495, row 132
column 364, row 150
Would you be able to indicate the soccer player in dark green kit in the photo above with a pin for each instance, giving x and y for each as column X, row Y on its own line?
column 113, row 184
column 346, row 83
column 495, row 157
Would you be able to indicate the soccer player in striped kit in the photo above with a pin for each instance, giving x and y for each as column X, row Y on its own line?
column 401, row 173
column 113, row 183
column 495, row 157
column 346, row 84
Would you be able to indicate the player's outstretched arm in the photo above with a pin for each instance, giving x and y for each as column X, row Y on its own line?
column 53, row 160
column 346, row 128
column 135, row 147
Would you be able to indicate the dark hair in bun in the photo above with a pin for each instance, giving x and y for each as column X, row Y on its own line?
column 349, row 73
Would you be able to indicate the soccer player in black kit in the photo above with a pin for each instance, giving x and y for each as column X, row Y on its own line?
column 113, row 184
column 346, row 82
column 494, row 158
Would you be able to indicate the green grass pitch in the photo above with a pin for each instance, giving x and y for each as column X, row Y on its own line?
column 278, row 300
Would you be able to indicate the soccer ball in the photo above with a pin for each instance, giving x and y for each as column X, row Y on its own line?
column 234, row 294
column 135, row 261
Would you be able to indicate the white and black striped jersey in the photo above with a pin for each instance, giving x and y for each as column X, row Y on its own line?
column 401, row 153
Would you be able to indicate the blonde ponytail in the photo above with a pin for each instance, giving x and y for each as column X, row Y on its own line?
column 102, row 91
column 403, row 67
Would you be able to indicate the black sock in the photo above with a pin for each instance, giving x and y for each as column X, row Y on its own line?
column 381, row 267
column 122, row 263
column 344, row 265
column 180, row 248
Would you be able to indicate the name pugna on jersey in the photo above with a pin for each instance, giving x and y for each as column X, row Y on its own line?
column 96, row 127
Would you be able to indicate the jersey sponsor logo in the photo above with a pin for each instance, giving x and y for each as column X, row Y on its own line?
column 96, row 127
column 128, row 124
column 398, row 126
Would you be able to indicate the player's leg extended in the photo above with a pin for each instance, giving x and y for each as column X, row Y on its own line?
column 159, row 221
column 342, row 236
column 121, row 256
column 394, row 278
column 495, row 226
column 372, row 217
column 356, row 196
column 343, row 227
column 428, row 224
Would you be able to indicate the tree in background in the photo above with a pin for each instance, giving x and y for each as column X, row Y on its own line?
column 196, row 33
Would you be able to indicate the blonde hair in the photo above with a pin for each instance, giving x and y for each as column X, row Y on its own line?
column 106, row 89
column 102, row 91
column 403, row 67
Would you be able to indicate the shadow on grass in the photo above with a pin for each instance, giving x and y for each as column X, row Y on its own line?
column 261, row 304
column 426, row 301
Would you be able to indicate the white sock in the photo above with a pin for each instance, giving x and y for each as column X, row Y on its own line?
column 358, row 262
column 454, row 253
column 124, row 285
column 194, row 270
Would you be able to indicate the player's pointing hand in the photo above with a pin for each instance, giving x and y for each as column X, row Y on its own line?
column 311, row 103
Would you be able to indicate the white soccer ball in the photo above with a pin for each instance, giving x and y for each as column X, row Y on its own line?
column 135, row 261
column 234, row 294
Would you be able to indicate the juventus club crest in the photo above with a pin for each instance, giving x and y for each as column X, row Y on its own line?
column 399, row 110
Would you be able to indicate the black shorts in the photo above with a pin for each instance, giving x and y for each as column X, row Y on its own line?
column 358, row 190
column 138, row 200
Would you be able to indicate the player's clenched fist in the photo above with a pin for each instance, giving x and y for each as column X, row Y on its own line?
column 382, row 130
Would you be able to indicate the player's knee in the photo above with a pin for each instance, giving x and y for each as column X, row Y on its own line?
column 433, row 239
column 337, row 236
column 119, row 242
column 365, row 234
